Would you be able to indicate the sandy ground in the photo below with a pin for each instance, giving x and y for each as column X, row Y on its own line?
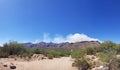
column 63, row 63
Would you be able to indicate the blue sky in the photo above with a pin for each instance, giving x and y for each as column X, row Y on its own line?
column 30, row 20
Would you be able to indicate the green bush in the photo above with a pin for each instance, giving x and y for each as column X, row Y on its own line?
column 38, row 51
column 16, row 49
column 82, row 64
column 78, row 53
column 53, row 53
column 107, row 57
column 90, row 50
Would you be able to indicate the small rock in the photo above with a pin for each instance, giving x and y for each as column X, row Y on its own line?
column 5, row 65
column 12, row 67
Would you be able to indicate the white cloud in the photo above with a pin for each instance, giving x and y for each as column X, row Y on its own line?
column 79, row 37
column 46, row 37
column 58, row 40
column 72, row 38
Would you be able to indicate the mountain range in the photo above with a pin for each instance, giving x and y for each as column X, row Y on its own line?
column 63, row 45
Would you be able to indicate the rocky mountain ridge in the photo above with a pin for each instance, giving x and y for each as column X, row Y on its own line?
column 63, row 45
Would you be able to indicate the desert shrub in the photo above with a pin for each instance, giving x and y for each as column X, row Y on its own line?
column 117, row 48
column 63, row 52
column 90, row 50
column 56, row 52
column 38, row 51
column 82, row 64
column 107, row 57
column 16, row 49
column 2, row 54
column 5, row 50
column 50, row 56
column 107, row 46
column 53, row 53
column 78, row 53
column 114, row 64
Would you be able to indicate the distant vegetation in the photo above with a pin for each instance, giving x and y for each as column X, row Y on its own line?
column 107, row 53
column 14, row 48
